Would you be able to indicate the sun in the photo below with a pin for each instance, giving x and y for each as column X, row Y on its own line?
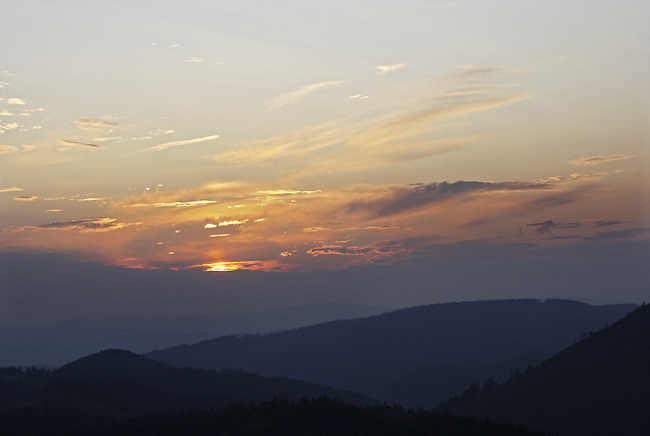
column 221, row 266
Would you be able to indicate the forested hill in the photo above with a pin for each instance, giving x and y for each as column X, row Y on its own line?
column 417, row 346
column 277, row 417
column 600, row 386
column 119, row 383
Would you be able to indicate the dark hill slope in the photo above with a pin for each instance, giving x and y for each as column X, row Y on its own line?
column 118, row 382
column 278, row 417
column 599, row 386
column 369, row 354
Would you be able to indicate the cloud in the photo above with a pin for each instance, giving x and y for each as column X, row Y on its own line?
column 409, row 131
column 25, row 197
column 12, row 189
column 384, row 69
column 608, row 223
column 297, row 95
column 547, row 225
column 232, row 223
column 617, row 234
column 167, row 145
column 9, row 126
column 86, row 225
column 596, row 160
column 419, row 196
column 110, row 138
column 10, row 149
column 193, row 203
column 471, row 70
column 95, row 124
column 15, row 101
column 285, row 192
column 75, row 143
column 193, row 60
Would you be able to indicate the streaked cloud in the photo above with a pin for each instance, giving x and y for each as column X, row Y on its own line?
column 232, row 223
column 107, row 138
column 546, row 226
column 25, row 198
column 171, row 144
column 12, row 189
column 193, row 60
column 390, row 68
column 300, row 93
column 596, row 160
column 285, row 192
column 10, row 149
column 193, row 203
column 87, row 225
column 408, row 198
column 77, row 144
column 608, row 223
column 96, row 124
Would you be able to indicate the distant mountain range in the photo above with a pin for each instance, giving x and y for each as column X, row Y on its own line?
column 55, row 344
column 418, row 356
column 599, row 386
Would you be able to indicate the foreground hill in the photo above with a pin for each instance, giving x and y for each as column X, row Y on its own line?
column 317, row 417
column 461, row 343
column 118, row 383
column 600, row 386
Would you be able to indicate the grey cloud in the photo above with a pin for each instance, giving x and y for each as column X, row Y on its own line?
column 595, row 160
column 617, row 234
column 608, row 223
column 417, row 196
column 547, row 225
column 75, row 143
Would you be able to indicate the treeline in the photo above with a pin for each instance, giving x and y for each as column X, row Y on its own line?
column 279, row 416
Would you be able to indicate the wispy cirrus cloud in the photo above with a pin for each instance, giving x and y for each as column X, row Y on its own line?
column 166, row 145
column 409, row 131
column 596, row 160
column 390, row 68
column 12, row 189
column 300, row 93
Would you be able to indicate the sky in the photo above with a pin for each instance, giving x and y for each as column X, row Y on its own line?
column 237, row 144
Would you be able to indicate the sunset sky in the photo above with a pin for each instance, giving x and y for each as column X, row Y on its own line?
column 301, row 136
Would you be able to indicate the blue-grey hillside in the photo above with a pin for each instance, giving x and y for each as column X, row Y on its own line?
column 370, row 355
column 599, row 386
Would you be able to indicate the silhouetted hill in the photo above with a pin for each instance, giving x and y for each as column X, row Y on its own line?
column 600, row 386
column 370, row 355
column 118, row 382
